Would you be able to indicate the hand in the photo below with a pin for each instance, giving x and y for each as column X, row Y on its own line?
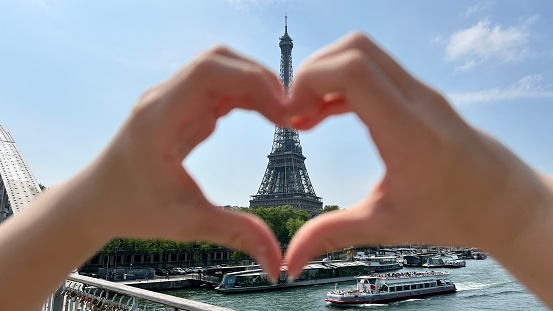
column 142, row 170
column 445, row 182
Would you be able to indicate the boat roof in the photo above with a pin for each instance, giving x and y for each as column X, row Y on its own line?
column 403, row 275
column 311, row 265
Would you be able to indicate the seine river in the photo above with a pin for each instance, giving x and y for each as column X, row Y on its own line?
column 481, row 285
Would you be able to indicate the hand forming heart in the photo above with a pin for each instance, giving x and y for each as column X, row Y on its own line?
column 445, row 182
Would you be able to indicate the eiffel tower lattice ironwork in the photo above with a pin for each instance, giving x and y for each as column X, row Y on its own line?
column 286, row 181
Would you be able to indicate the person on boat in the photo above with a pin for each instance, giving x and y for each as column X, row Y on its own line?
column 442, row 175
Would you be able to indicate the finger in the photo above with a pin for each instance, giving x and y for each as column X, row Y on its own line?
column 213, row 84
column 243, row 232
column 223, row 78
column 367, row 91
column 329, row 232
column 359, row 41
column 271, row 77
column 217, row 85
column 331, row 105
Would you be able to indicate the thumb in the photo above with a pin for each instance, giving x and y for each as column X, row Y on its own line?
column 244, row 232
column 330, row 232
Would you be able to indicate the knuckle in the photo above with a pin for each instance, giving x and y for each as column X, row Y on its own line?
column 146, row 102
column 252, row 74
column 150, row 94
column 357, row 39
column 355, row 64
column 219, row 50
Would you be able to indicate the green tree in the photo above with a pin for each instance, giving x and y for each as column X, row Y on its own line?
column 277, row 218
column 329, row 208
column 293, row 225
column 237, row 256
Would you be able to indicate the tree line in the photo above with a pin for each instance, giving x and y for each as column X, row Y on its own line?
column 285, row 221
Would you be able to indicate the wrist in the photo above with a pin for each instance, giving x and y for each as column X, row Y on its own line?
column 87, row 204
column 524, row 215
column 527, row 253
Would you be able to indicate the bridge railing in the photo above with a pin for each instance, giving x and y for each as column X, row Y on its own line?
column 83, row 293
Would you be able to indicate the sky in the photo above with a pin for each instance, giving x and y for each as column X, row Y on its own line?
column 71, row 71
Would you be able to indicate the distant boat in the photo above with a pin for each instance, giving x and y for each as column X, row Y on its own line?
column 313, row 274
column 383, row 288
column 456, row 263
column 479, row 255
column 380, row 263
column 445, row 261
column 415, row 260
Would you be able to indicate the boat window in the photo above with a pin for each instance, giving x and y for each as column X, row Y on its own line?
column 392, row 288
column 419, row 285
column 426, row 285
column 311, row 274
column 413, row 286
column 406, row 287
column 251, row 280
column 228, row 280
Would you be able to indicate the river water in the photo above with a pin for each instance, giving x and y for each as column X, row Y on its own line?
column 481, row 285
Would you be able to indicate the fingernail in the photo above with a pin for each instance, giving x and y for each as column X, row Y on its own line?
column 288, row 121
column 291, row 278
column 296, row 121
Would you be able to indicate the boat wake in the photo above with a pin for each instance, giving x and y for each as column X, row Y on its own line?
column 469, row 286
column 367, row 305
column 409, row 300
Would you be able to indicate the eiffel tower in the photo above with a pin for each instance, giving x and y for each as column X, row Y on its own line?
column 286, row 181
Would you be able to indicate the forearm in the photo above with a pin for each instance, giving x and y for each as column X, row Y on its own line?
column 45, row 242
column 528, row 255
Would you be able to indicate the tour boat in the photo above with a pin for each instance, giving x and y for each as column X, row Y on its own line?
column 313, row 273
column 383, row 288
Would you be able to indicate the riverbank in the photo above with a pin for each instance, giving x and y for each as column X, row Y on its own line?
column 173, row 282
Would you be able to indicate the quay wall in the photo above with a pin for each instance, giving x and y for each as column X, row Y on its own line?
column 162, row 284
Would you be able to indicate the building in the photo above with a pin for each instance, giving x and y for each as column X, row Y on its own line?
column 18, row 186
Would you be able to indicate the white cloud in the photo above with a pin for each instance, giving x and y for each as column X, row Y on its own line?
column 483, row 41
column 479, row 7
column 531, row 86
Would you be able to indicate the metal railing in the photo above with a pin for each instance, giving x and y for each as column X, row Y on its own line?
column 83, row 293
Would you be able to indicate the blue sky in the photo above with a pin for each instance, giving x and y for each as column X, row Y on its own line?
column 70, row 71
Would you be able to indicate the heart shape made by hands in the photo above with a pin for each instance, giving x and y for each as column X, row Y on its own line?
column 438, row 168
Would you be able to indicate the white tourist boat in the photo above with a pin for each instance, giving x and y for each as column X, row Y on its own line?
column 314, row 273
column 383, row 288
